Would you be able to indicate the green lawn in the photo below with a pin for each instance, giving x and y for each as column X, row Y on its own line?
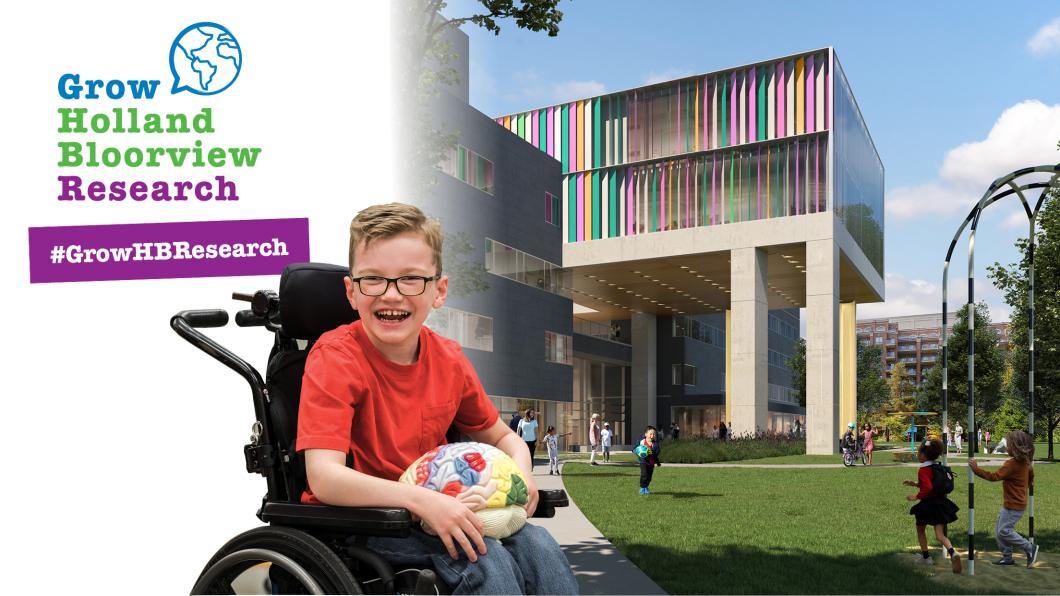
column 708, row 530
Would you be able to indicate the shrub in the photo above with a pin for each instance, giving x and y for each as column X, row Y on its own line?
column 702, row 450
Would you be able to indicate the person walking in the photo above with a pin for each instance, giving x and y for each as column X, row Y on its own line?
column 867, row 444
column 933, row 507
column 722, row 431
column 647, row 452
column 958, row 434
column 947, row 440
column 594, row 437
column 527, row 431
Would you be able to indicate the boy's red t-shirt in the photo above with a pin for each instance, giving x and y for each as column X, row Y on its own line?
column 387, row 414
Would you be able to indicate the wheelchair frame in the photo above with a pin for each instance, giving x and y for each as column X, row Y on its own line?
column 324, row 544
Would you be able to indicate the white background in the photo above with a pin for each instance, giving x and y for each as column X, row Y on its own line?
column 123, row 465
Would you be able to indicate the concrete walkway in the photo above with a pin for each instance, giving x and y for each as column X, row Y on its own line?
column 598, row 565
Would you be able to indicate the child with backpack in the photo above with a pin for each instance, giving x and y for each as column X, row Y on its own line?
column 1016, row 474
column 647, row 452
column 935, row 481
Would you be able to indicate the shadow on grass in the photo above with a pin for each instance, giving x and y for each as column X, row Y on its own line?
column 684, row 495
column 773, row 570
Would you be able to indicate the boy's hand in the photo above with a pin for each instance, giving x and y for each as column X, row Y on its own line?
column 908, row 483
column 454, row 523
column 910, row 497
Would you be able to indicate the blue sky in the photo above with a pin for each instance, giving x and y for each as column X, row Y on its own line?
column 954, row 95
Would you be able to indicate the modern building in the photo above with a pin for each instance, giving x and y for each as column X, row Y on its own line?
column 915, row 341
column 711, row 203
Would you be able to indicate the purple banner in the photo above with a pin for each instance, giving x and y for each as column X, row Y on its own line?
column 166, row 250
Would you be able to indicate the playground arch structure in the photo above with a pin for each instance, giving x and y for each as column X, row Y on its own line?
column 1015, row 183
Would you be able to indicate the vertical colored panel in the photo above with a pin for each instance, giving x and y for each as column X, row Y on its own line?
column 800, row 96
column 622, row 134
column 723, row 123
column 822, row 66
column 761, row 104
column 758, row 184
column 629, row 213
column 828, row 93
column 564, row 132
column 581, row 207
column 781, row 106
column 798, row 207
column 811, row 87
column 789, row 101
column 613, row 204
column 734, row 109
column 587, row 142
column 706, row 113
column 549, row 138
column 744, row 118
column 695, row 103
column 579, row 150
column 588, row 182
column 596, row 133
column 532, row 127
column 653, row 205
column 572, row 208
column 688, row 198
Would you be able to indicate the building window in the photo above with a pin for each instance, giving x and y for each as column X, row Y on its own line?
column 469, row 167
column 777, row 359
column 552, row 205
column 683, row 326
column 527, row 269
column 782, row 328
column 465, row 328
column 558, row 348
column 683, row 374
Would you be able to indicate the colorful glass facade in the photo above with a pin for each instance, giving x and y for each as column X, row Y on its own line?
column 736, row 145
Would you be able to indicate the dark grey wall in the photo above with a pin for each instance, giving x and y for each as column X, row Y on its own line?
column 513, row 215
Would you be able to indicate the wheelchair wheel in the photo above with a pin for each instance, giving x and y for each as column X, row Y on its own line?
column 848, row 458
column 864, row 459
column 303, row 564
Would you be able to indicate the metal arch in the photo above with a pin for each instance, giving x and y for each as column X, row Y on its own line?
column 973, row 217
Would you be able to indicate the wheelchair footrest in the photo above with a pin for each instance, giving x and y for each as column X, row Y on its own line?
column 369, row 521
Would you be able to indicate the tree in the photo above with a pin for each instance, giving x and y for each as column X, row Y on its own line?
column 797, row 364
column 872, row 388
column 989, row 366
column 1011, row 414
column 1012, row 280
column 899, row 399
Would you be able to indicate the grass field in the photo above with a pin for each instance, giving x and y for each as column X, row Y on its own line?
column 709, row 530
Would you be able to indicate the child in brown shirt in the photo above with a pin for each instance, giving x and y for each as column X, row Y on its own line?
column 1016, row 474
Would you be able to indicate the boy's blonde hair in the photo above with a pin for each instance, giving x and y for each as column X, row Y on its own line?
column 1020, row 446
column 385, row 221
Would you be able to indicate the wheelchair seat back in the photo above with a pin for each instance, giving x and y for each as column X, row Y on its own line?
column 312, row 302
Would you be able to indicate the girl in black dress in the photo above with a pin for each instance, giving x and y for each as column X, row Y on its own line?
column 934, row 509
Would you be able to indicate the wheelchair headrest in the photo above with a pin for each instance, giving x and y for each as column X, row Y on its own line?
column 313, row 300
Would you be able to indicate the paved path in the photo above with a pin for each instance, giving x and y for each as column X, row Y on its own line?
column 598, row 565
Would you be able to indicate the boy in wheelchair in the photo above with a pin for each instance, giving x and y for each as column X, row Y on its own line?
column 385, row 389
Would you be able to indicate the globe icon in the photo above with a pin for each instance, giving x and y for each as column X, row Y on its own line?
column 642, row 451
column 205, row 59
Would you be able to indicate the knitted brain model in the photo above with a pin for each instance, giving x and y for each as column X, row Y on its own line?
column 480, row 476
column 642, row 451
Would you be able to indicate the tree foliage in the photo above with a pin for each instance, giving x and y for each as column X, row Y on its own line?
column 989, row 367
column 872, row 387
column 797, row 364
column 1013, row 281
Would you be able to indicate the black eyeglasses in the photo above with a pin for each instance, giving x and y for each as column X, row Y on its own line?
column 407, row 285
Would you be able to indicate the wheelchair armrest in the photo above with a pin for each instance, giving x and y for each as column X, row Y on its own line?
column 548, row 500
column 368, row 521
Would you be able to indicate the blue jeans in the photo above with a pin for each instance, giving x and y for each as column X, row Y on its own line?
column 528, row 562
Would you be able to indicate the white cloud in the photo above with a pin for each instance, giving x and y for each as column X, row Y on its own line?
column 917, row 297
column 1017, row 220
column 1046, row 40
column 571, row 90
column 667, row 75
column 1024, row 135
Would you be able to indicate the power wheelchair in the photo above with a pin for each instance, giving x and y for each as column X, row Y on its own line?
column 315, row 549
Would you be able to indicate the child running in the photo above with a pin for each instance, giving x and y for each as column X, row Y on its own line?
column 1016, row 475
column 934, row 509
column 648, row 458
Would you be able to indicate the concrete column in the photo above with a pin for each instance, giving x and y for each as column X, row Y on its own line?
column 749, row 335
column 644, row 372
column 822, row 347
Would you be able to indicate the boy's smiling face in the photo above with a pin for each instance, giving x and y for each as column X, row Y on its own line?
column 392, row 321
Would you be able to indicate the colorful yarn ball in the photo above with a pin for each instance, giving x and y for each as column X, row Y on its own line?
column 480, row 476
